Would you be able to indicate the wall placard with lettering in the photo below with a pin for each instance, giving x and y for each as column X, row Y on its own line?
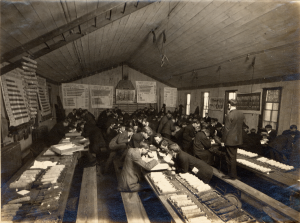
column 146, row 91
column 249, row 102
column 101, row 96
column 170, row 97
column 75, row 96
column 125, row 96
column 216, row 104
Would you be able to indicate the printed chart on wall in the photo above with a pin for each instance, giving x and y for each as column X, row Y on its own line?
column 146, row 91
column 170, row 97
column 216, row 104
column 75, row 96
column 43, row 96
column 14, row 98
column 101, row 96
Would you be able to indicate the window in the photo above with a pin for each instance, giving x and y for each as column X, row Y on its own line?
column 271, row 107
column 231, row 94
column 205, row 103
column 188, row 104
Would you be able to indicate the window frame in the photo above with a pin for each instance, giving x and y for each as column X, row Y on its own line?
column 202, row 102
column 264, row 95
column 226, row 102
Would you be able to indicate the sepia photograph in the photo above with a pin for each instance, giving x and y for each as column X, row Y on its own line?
column 139, row 111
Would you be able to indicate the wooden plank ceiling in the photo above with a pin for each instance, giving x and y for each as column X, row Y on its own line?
column 206, row 42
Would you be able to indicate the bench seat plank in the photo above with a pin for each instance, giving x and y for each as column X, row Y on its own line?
column 135, row 211
column 87, row 207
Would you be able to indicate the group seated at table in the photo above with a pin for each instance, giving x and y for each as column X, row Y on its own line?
column 194, row 136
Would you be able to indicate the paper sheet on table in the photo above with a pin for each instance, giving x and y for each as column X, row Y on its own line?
column 65, row 146
column 42, row 164
column 23, row 192
column 161, row 166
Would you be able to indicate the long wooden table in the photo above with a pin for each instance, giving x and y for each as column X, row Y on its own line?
column 57, row 215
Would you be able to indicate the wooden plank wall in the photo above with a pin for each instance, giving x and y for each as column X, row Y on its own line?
column 289, row 110
column 112, row 77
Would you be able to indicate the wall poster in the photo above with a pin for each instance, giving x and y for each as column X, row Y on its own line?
column 170, row 97
column 43, row 96
column 101, row 96
column 15, row 101
column 146, row 91
column 249, row 102
column 216, row 103
column 75, row 96
column 124, row 96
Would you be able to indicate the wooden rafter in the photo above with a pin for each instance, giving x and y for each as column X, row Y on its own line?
column 98, row 14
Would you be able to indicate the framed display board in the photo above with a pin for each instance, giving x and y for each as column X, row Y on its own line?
column 75, row 96
column 101, row 96
column 216, row 104
column 249, row 102
column 146, row 91
column 170, row 97
column 124, row 96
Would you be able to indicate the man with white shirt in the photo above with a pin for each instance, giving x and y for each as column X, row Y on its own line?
column 232, row 137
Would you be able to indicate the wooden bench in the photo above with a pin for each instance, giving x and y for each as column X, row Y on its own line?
column 87, row 207
column 252, row 195
column 135, row 211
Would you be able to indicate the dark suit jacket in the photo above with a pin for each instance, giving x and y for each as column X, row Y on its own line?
column 272, row 135
column 163, row 121
column 56, row 134
column 95, row 136
column 208, row 119
column 233, row 129
column 201, row 143
column 185, row 162
column 168, row 128
column 72, row 116
column 131, row 171
column 188, row 134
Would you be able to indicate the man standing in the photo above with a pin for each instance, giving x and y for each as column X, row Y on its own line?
column 163, row 121
column 232, row 137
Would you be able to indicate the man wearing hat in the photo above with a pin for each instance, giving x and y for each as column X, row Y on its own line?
column 232, row 137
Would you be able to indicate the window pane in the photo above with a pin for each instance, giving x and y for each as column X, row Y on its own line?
column 267, row 115
column 272, row 95
column 269, row 106
column 275, row 106
column 231, row 95
column 188, row 99
column 274, row 116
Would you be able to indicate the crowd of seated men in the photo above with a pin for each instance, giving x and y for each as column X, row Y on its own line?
column 117, row 131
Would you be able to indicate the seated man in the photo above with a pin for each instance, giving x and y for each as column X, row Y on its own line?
column 58, row 132
column 131, row 172
column 184, row 162
column 162, row 143
column 202, row 145
column 118, row 145
column 292, row 131
column 188, row 136
column 137, row 138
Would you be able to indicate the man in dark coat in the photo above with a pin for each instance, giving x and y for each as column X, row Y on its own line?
column 185, row 162
column 188, row 136
column 232, row 137
column 292, row 131
column 163, row 121
column 207, row 118
column 281, row 148
column 271, row 133
column 72, row 115
column 168, row 128
column 202, row 145
column 58, row 132
column 131, row 172
column 118, row 145
column 88, row 117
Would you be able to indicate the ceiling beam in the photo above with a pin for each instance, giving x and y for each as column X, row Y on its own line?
column 290, row 77
column 56, row 32
column 102, row 21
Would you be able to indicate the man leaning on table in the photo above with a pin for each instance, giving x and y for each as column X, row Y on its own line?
column 232, row 137
column 131, row 174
